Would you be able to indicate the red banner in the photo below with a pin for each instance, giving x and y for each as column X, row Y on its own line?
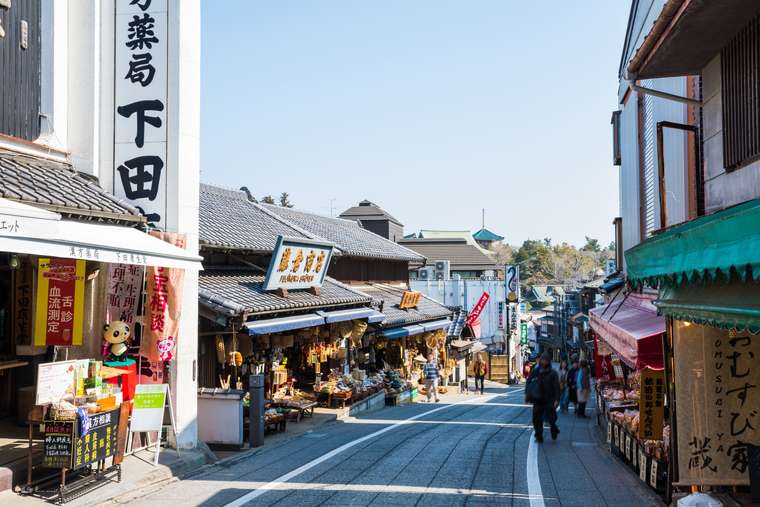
column 163, row 306
column 60, row 302
column 478, row 309
column 602, row 363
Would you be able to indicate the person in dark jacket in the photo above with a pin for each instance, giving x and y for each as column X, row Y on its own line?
column 572, row 379
column 542, row 390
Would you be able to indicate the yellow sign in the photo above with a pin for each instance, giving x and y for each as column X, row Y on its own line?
column 651, row 404
column 409, row 299
column 59, row 315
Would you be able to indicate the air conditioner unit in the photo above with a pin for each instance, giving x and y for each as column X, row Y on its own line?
column 442, row 270
column 426, row 273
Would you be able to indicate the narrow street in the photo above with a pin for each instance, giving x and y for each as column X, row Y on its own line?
column 472, row 450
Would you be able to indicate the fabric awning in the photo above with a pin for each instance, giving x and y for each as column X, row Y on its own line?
column 632, row 328
column 733, row 306
column 27, row 230
column 350, row 314
column 281, row 324
column 723, row 243
column 436, row 324
column 400, row 332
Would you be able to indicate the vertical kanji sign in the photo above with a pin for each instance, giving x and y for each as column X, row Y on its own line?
column 60, row 302
column 123, row 293
column 651, row 404
column 140, row 106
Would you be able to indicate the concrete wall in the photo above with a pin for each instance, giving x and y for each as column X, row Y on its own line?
column 722, row 188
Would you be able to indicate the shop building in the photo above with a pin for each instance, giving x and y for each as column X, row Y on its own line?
column 74, row 201
column 697, row 264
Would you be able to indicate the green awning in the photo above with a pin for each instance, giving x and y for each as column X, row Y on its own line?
column 729, row 306
column 719, row 246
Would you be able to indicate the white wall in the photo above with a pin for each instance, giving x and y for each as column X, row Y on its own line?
column 722, row 189
column 629, row 173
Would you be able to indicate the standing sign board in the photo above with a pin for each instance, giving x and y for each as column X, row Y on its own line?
column 717, row 378
column 148, row 411
column 298, row 264
column 140, row 102
column 55, row 380
column 60, row 302
column 58, row 444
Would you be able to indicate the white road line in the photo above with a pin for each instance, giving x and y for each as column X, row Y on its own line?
column 534, row 480
column 278, row 482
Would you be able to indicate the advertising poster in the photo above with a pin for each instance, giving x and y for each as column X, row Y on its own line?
column 60, row 302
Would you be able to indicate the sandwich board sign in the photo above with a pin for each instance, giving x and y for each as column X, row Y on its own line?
column 148, row 411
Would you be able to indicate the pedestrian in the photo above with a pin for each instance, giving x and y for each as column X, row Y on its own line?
column 584, row 388
column 572, row 377
column 542, row 390
column 431, row 377
column 564, row 396
column 481, row 370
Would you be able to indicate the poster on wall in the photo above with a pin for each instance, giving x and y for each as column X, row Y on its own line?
column 717, row 379
column 140, row 106
column 60, row 302
column 163, row 309
column 125, row 282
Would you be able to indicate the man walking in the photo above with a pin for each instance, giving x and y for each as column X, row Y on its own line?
column 542, row 390
column 431, row 377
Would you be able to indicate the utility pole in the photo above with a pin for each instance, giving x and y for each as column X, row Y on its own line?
column 332, row 207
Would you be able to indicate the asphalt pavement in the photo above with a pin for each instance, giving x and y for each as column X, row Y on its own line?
column 465, row 450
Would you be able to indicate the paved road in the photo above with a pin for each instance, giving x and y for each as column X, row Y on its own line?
column 471, row 450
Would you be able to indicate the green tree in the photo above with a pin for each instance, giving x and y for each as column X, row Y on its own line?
column 592, row 245
column 285, row 200
column 267, row 199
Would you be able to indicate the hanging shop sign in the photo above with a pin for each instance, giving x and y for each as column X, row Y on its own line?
column 513, row 283
column 140, row 102
column 124, row 288
column 717, row 379
column 60, row 302
column 523, row 333
column 651, row 404
column 478, row 308
column 163, row 308
column 409, row 299
column 514, row 318
column 501, row 311
column 298, row 264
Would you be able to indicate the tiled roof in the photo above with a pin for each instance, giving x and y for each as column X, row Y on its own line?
column 367, row 210
column 236, row 291
column 229, row 220
column 390, row 296
column 57, row 187
column 457, row 323
column 348, row 236
column 486, row 235
column 463, row 257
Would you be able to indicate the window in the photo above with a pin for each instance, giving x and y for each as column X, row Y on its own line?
column 740, row 71
column 618, row 223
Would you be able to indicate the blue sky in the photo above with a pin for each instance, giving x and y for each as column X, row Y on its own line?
column 433, row 109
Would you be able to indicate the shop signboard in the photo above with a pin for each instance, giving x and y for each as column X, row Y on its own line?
column 125, row 282
column 478, row 308
column 501, row 309
column 298, row 264
column 409, row 299
column 523, row 333
column 513, row 283
column 148, row 407
column 651, row 404
column 100, row 442
column 60, row 302
column 163, row 309
column 140, row 106
column 23, row 307
column 717, row 379
column 58, row 444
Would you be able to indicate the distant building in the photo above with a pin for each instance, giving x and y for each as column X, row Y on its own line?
column 486, row 238
column 463, row 259
column 373, row 218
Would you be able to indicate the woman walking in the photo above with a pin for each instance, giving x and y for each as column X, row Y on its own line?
column 584, row 388
column 564, row 394
column 481, row 370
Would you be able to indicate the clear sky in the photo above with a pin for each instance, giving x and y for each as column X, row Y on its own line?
column 432, row 109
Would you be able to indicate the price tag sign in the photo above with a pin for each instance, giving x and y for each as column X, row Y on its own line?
column 609, row 432
column 653, row 474
column 628, row 447
column 642, row 465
